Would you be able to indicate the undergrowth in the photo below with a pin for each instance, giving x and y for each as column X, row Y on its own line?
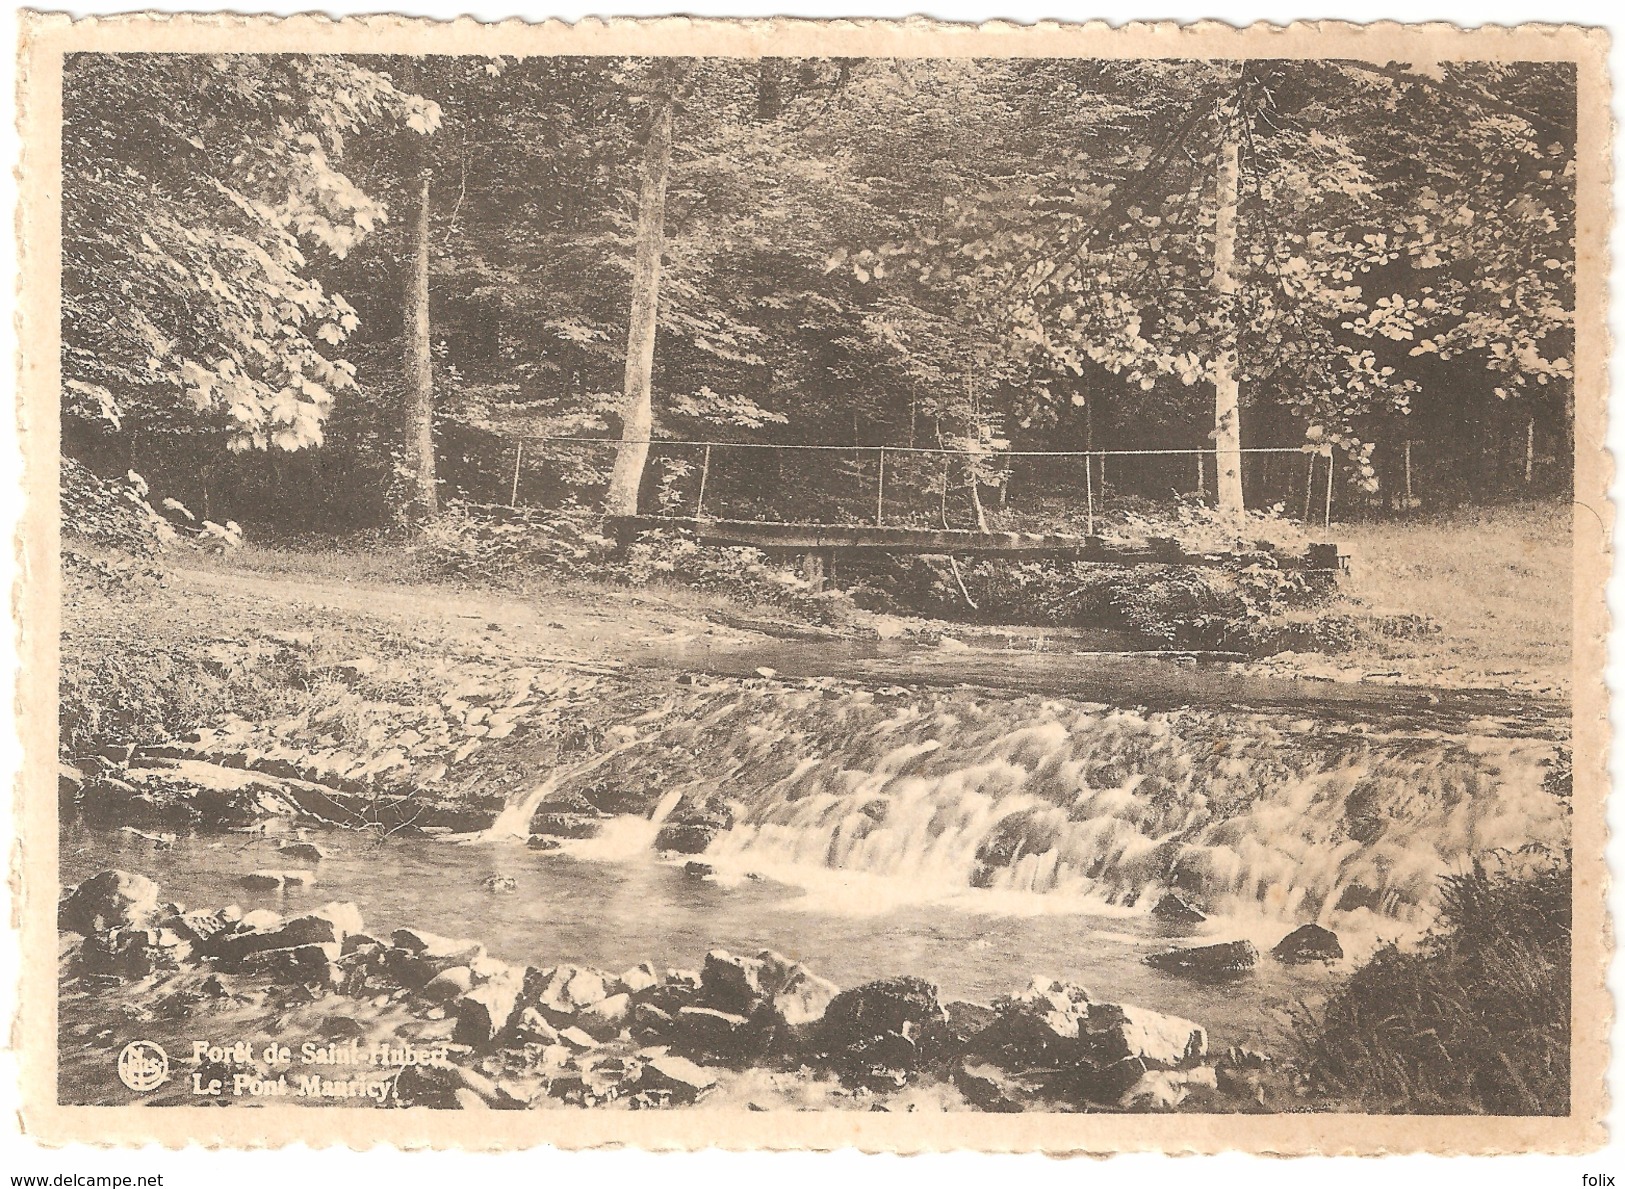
column 516, row 546
column 1475, row 1021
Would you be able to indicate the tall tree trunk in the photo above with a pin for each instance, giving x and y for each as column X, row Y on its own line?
column 1226, row 389
column 416, row 364
column 637, row 414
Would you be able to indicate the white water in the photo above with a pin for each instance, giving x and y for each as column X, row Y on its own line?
column 945, row 795
column 626, row 836
column 514, row 821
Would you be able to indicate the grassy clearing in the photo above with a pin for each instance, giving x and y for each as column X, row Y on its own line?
column 1498, row 582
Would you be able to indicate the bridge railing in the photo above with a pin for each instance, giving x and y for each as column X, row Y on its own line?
column 911, row 485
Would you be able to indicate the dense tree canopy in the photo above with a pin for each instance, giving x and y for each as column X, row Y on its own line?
column 973, row 254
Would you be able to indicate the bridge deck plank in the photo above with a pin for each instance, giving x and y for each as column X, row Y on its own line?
column 871, row 538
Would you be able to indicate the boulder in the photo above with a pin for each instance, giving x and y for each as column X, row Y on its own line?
column 301, row 852
column 485, row 1011
column 966, row 1022
column 642, row 977
column 342, row 915
column 1094, row 1083
column 131, row 952
column 698, row 870
column 719, row 1035
column 679, row 1077
column 565, row 990
column 259, row 919
column 577, row 1040
column 273, row 880
column 692, row 826
column 885, row 1005
column 566, row 825
column 361, row 941
column 1207, row 961
column 1176, row 909
column 1308, row 943
column 881, row 1063
column 989, row 1088
column 199, row 927
column 330, row 924
column 1041, row 1026
column 543, row 842
column 110, row 900
column 451, row 983
column 533, row 1028
column 1114, row 1031
column 685, row 838
column 486, row 967
column 804, row 998
column 419, row 955
column 605, row 1018
column 301, row 965
column 879, row 1033
column 731, row 983
column 650, row 1022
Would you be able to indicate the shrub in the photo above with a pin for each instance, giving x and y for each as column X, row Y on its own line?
column 514, row 545
column 1476, row 1021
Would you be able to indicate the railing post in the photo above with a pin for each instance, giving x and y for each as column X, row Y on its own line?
column 1331, row 470
column 880, row 491
column 705, row 470
column 519, row 457
column 1089, row 489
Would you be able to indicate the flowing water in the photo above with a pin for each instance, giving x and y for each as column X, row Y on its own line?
column 614, row 912
column 974, row 837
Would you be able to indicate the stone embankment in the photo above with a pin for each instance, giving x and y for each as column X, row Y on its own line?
column 518, row 1036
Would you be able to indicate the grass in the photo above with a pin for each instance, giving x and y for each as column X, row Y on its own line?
column 1497, row 581
column 1475, row 1022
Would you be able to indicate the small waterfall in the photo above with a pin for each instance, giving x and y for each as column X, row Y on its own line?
column 627, row 836
column 956, row 793
column 514, row 821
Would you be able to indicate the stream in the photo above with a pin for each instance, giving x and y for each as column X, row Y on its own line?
column 976, row 837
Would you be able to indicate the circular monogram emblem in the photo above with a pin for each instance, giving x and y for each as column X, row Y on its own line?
column 143, row 1066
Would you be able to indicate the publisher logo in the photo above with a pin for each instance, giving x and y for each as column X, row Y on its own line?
column 143, row 1066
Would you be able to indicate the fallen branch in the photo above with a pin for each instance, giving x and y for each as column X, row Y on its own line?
column 954, row 566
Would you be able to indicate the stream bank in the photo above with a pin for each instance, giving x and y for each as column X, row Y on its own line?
column 419, row 1019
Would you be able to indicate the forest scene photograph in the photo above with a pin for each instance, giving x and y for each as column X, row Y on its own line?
column 908, row 584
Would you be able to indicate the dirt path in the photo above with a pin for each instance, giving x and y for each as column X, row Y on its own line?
column 604, row 627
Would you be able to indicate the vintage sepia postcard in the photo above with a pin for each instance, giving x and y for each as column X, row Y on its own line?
column 792, row 584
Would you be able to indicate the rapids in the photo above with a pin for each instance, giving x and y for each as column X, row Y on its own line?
column 942, row 791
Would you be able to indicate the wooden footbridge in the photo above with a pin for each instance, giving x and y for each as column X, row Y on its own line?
column 823, row 544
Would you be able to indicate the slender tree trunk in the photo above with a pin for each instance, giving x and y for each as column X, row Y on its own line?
column 637, row 414
column 1226, row 389
column 416, row 364
column 976, row 498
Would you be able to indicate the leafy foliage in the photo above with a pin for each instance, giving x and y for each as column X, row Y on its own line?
column 977, row 255
column 196, row 188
